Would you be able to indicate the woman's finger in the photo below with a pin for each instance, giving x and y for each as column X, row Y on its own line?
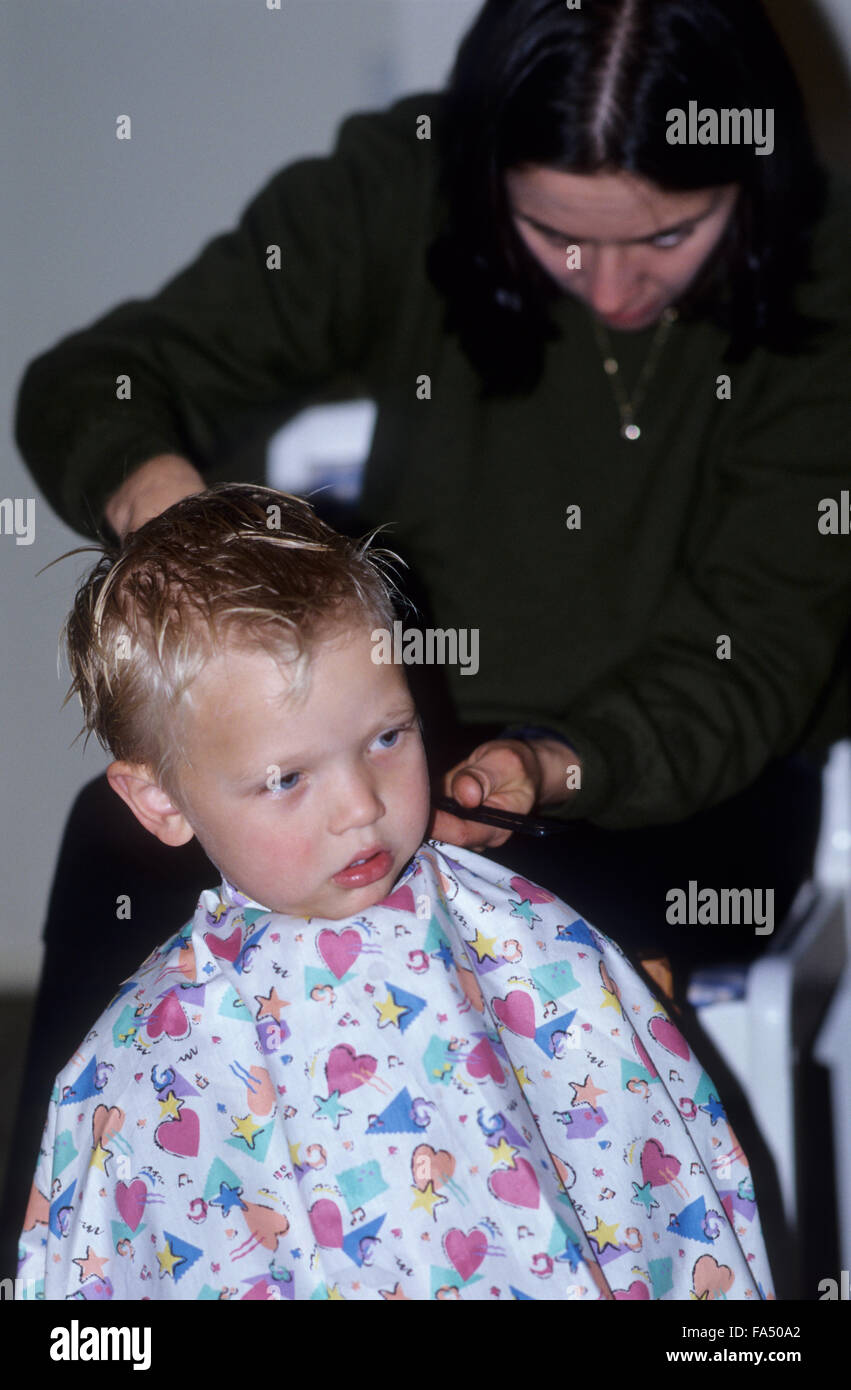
column 467, row 834
column 469, row 786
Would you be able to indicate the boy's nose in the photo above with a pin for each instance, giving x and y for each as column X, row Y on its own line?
column 357, row 804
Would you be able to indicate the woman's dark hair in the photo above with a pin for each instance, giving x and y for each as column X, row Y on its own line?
column 586, row 90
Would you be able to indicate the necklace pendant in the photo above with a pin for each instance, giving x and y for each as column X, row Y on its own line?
column 630, row 431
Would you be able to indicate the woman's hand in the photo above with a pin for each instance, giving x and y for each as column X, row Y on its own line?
column 507, row 773
column 151, row 489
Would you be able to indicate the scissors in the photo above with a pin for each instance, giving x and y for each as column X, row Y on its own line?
column 503, row 820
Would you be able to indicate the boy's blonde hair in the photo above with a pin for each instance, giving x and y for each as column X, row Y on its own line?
column 238, row 566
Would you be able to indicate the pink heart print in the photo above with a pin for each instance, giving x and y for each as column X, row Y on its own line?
column 518, row 1186
column 180, row 1136
column 643, row 1055
column 326, row 1224
column 339, row 950
column 483, row 1062
column 465, row 1252
column 168, row 1017
column 670, row 1037
column 530, row 891
column 517, row 1012
column 227, row 949
column 345, row 1070
column 637, row 1289
column 657, row 1167
column 131, row 1202
column 401, row 900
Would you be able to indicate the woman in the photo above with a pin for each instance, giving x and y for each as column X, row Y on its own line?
column 610, row 404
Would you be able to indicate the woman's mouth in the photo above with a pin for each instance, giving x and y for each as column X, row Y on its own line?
column 632, row 319
column 369, row 867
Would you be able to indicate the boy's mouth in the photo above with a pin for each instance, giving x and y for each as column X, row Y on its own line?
column 373, row 864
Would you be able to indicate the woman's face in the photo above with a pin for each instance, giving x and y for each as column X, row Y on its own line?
column 639, row 247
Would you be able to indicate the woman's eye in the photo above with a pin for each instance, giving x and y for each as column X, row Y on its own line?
column 669, row 240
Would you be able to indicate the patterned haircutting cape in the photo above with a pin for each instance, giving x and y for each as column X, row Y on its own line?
column 465, row 1092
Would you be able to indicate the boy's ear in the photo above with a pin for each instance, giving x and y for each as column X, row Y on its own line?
column 151, row 806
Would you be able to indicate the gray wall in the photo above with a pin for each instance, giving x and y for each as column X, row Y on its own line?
column 221, row 93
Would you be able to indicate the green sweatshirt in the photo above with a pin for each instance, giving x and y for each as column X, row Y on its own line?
column 706, row 528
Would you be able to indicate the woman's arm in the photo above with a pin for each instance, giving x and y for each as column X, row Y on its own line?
column 750, row 633
column 269, row 315
column 730, row 670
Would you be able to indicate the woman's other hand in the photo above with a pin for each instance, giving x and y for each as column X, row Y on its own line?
column 150, row 489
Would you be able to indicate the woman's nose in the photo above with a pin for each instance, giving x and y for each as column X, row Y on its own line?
column 609, row 280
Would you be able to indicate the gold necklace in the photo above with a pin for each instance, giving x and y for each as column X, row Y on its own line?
column 626, row 407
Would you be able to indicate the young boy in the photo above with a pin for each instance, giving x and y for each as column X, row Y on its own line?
column 370, row 1067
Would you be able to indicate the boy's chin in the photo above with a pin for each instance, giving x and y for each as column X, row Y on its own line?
column 357, row 900
column 338, row 904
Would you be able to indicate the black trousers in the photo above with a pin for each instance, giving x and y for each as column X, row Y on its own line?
column 618, row 880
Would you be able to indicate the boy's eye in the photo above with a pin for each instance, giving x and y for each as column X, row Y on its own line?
column 389, row 738
column 287, row 783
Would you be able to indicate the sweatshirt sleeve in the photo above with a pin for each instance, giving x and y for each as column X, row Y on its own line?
column 236, row 341
column 750, row 632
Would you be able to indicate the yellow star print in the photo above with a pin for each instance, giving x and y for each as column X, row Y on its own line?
column 170, row 1106
column 168, row 1260
column 334, row 1294
column 503, row 1153
column 604, row 1235
column 245, row 1128
column 389, row 1011
column 428, row 1199
column 99, row 1157
column 522, row 1077
column 483, row 945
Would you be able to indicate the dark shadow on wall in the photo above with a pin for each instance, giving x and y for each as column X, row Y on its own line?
column 814, row 50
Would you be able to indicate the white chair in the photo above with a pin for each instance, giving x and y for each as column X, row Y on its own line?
column 795, row 1003
column 323, row 449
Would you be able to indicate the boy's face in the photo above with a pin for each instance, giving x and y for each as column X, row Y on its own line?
column 351, row 768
